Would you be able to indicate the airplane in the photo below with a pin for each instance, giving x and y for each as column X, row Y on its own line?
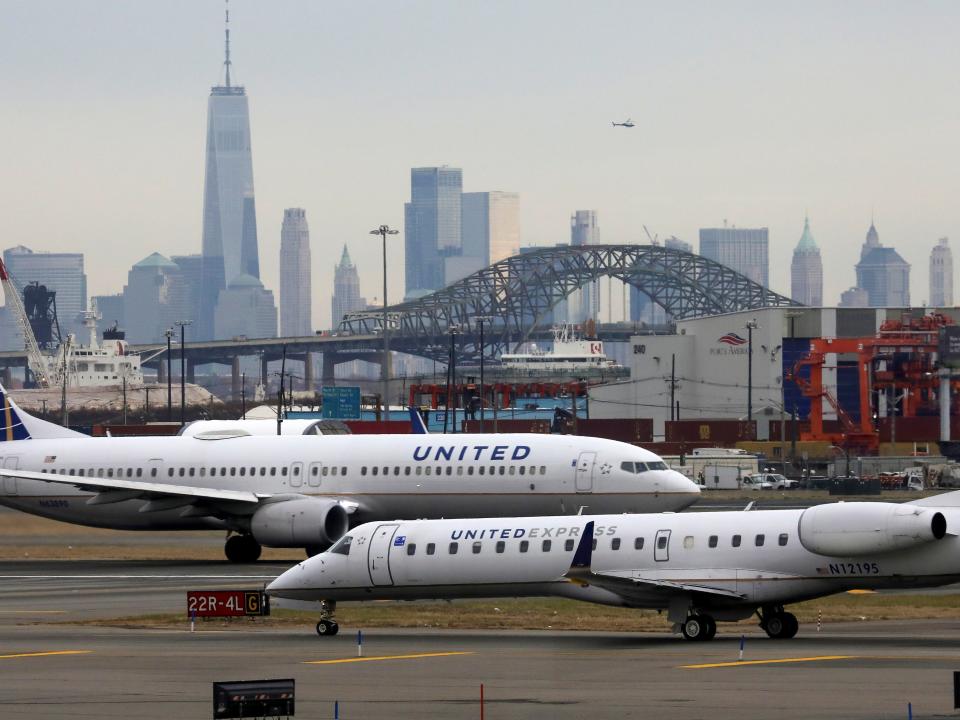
column 701, row 567
column 307, row 490
column 626, row 123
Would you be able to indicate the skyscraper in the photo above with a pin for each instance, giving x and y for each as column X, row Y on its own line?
column 295, row 294
column 491, row 225
column 742, row 249
column 245, row 309
column 229, row 210
column 584, row 304
column 60, row 272
column 431, row 227
column 883, row 273
column 346, row 290
column 806, row 270
column 941, row 274
column 153, row 299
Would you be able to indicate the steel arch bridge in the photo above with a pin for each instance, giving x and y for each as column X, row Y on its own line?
column 517, row 294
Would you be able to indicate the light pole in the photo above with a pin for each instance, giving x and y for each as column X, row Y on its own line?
column 452, row 380
column 383, row 231
column 243, row 396
column 481, row 319
column 183, row 371
column 751, row 326
column 168, row 333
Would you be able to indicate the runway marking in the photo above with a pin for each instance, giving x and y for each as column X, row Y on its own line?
column 861, row 592
column 45, row 654
column 33, row 612
column 741, row 663
column 384, row 657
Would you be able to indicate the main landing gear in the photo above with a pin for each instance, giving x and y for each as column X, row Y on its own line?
column 242, row 549
column 699, row 627
column 327, row 625
column 778, row 624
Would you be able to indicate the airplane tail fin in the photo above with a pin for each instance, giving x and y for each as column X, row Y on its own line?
column 15, row 424
column 584, row 554
column 418, row 427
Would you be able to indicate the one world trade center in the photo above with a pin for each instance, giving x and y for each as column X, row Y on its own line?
column 229, row 210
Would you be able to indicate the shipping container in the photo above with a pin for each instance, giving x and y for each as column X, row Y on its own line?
column 509, row 426
column 629, row 430
column 716, row 432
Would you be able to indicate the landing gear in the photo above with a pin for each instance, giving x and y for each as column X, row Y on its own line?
column 779, row 624
column 327, row 625
column 699, row 627
column 242, row 549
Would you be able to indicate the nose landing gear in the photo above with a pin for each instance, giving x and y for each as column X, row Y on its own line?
column 699, row 627
column 779, row 624
column 327, row 625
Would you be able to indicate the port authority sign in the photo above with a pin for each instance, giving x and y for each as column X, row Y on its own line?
column 949, row 349
column 341, row 403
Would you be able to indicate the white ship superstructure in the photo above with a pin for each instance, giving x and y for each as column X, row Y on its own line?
column 570, row 353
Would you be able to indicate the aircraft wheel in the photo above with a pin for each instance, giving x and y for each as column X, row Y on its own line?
column 242, row 549
column 790, row 626
column 775, row 625
column 327, row 627
column 711, row 627
column 695, row 628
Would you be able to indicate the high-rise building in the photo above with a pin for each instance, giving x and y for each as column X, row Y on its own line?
column 745, row 250
column 110, row 310
column 806, row 270
column 346, row 290
column 295, row 288
column 432, row 228
column 191, row 273
column 245, row 309
column 941, row 274
column 584, row 304
column 883, row 273
column 229, row 210
column 60, row 272
column 153, row 299
column 855, row 297
column 642, row 308
column 491, row 225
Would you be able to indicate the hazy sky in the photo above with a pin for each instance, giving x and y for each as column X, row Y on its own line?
column 754, row 112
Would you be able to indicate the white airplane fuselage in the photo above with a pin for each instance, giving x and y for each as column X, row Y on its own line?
column 725, row 564
column 376, row 476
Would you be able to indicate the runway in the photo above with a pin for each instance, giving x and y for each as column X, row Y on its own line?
column 52, row 668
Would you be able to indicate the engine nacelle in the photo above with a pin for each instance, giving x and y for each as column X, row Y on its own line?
column 299, row 522
column 853, row 529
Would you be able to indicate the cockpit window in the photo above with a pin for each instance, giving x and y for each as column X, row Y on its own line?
column 659, row 465
column 628, row 466
column 641, row 467
column 342, row 546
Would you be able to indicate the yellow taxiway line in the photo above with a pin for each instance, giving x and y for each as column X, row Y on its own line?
column 384, row 657
column 741, row 663
column 45, row 654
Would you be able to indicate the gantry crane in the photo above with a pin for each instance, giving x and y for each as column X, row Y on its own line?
column 35, row 359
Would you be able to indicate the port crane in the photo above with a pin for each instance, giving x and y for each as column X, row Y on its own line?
column 35, row 359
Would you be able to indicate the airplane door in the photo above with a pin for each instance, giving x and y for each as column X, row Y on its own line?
column 313, row 474
column 584, row 479
column 296, row 474
column 661, row 546
column 10, row 483
column 379, row 554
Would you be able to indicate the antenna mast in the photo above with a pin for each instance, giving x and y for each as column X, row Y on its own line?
column 226, row 62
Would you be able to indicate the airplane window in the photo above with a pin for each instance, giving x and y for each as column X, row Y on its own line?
column 273, row 472
column 129, row 472
column 153, row 472
column 568, row 544
column 641, row 467
column 427, row 470
column 759, row 540
column 501, row 545
column 396, row 470
column 503, row 469
column 543, row 469
column 439, row 470
column 454, row 547
column 343, row 470
column 342, row 546
column 79, row 472
column 533, row 470
column 523, row 469
column 628, row 466
column 493, row 470
column 71, row 471
column 547, row 545
column 100, row 472
column 90, row 472
column 688, row 542
column 253, row 471
column 386, row 471
column 470, row 470
column 333, row 470
column 481, row 470
column 326, row 470
column 449, row 470
column 783, row 539
column 524, row 545
column 263, row 471
column 476, row 547
column 615, row 544
column 459, row 469
column 233, row 472
column 657, row 465
column 192, row 470
column 406, row 470
column 662, row 542
column 713, row 541
column 243, row 471
column 314, row 470
column 638, row 543
column 375, row 469
column 431, row 548
column 419, row 470
column 412, row 549
column 203, row 472
column 283, row 471
column 736, row 541
column 513, row 470
column 223, row 472
column 110, row 472
column 593, row 545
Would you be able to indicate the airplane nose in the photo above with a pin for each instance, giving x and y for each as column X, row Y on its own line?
column 289, row 581
column 681, row 483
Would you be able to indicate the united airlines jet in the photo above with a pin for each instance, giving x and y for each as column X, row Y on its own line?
column 306, row 491
column 699, row 567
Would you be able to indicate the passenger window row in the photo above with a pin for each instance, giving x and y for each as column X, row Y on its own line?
column 449, row 470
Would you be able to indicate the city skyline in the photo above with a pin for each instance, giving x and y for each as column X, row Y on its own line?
column 826, row 124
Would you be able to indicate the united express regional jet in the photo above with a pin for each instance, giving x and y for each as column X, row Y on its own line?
column 699, row 567
column 306, row 491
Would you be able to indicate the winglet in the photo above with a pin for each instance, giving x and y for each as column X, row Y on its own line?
column 584, row 554
column 418, row 427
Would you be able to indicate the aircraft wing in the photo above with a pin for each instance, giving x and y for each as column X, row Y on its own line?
column 632, row 587
column 111, row 490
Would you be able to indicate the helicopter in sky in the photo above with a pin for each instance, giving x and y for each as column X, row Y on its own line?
column 626, row 123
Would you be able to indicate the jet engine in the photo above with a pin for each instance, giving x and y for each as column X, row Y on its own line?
column 854, row 529
column 299, row 522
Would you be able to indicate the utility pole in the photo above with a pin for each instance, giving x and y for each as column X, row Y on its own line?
column 481, row 319
column 383, row 231
column 168, row 333
column 673, row 382
column 452, row 387
column 183, row 371
column 751, row 326
column 243, row 396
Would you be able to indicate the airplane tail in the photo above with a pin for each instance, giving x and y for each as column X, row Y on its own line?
column 418, row 427
column 15, row 424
